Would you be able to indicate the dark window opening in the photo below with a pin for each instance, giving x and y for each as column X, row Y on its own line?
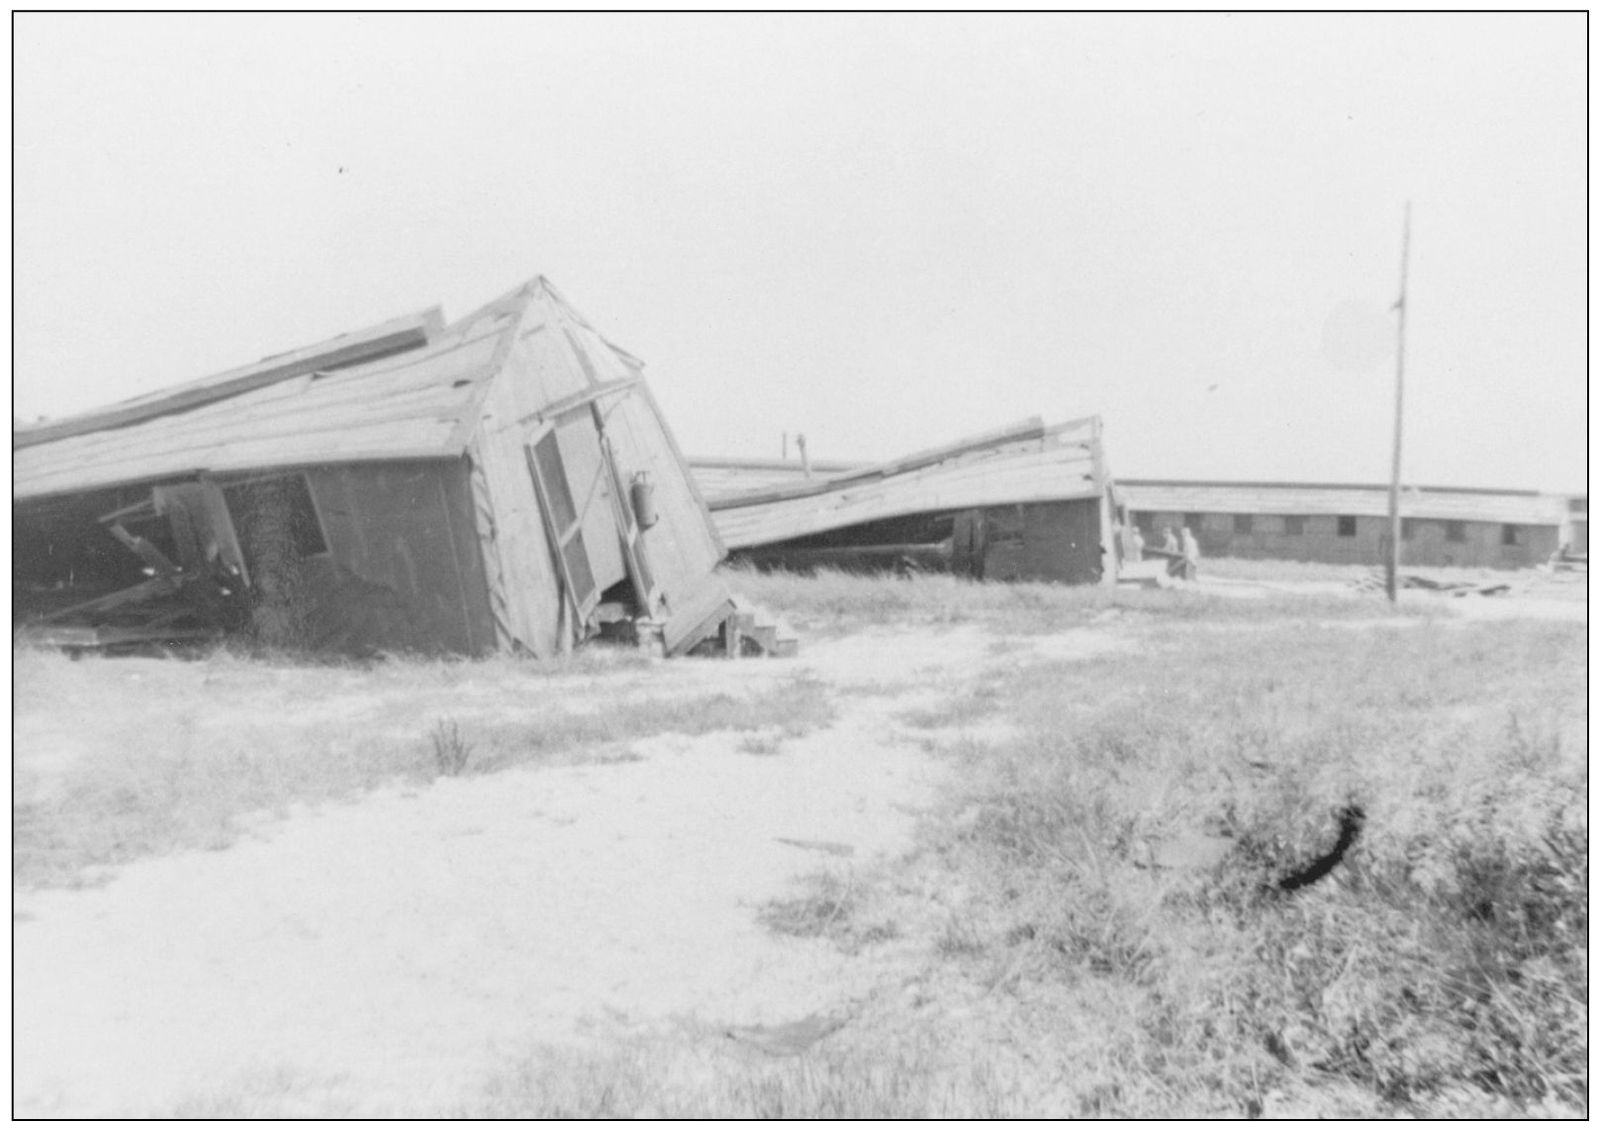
column 1407, row 528
column 1145, row 520
column 1294, row 525
column 1194, row 522
column 1007, row 526
column 1510, row 534
column 1346, row 525
column 553, row 469
column 268, row 512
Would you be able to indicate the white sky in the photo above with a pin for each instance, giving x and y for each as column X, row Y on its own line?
column 884, row 232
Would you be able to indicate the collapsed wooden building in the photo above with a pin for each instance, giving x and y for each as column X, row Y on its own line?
column 1027, row 502
column 503, row 483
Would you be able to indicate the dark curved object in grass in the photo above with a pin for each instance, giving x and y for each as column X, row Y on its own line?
column 1350, row 820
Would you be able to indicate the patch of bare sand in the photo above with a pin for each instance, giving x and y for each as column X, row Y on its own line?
column 393, row 953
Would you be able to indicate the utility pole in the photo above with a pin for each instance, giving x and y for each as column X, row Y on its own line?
column 1394, row 524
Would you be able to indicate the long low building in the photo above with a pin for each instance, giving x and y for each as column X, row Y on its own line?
column 1349, row 523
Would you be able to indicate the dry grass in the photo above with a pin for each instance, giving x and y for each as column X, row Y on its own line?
column 832, row 602
column 1448, row 952
column 712, row 1078
column 1441, row 970
column 175, row 755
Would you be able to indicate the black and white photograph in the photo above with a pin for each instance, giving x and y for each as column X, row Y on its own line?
column 800, row 565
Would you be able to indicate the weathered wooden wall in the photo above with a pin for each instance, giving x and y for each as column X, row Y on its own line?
column 403, row 569
column 558, row 371
column 1058, row 542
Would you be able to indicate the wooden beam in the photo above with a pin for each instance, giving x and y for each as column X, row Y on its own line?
column 575, row 401
column 392, row 337
column 1031, row 429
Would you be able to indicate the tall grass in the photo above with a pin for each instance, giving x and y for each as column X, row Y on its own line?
column 1451, row 948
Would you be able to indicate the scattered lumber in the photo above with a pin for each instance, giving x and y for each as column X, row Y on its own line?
column 1415, row 582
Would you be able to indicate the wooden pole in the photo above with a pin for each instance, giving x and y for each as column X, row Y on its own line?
column 1395, row 528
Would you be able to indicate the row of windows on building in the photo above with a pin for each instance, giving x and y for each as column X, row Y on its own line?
column 1294, row 526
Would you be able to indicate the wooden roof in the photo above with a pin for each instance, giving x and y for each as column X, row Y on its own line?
column 1022, row 463
column 408, row 389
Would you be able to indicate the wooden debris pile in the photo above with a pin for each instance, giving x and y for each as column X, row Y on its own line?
column 1376, row 581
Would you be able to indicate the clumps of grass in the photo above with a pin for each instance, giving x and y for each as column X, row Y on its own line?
column 179, row 756
column 961, row 708
column 1447, row 951
column 762, row 742
column 959, row 938
column 917, row 1075
column 452, row 751
column 825, row 906
column 794, row 708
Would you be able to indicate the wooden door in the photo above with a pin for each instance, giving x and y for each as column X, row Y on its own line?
column 562, row 524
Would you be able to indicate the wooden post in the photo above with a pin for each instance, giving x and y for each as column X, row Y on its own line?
column 805, row 459
column 1394, row 526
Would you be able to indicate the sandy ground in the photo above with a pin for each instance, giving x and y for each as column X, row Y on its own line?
column 390, row 955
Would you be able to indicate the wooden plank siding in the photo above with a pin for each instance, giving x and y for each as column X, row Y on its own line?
column 682, row 546
column 402, row 334
column 719, row 477
column 402, row 569
column 402, row 407
column 1053, row 541
column 555, row 358
column 1023, row 474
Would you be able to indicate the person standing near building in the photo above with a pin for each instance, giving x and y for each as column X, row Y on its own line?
column 1190, row 555
column 1169, row 542
column 1135, row 545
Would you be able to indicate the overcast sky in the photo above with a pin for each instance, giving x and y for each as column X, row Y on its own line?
column 884, row 232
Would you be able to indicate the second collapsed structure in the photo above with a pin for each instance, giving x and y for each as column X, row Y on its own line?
column 1027, row 502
